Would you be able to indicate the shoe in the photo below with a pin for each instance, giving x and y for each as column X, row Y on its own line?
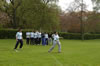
column 49, row 51
column 19, row 49
column 59, row 51
column 16, row 50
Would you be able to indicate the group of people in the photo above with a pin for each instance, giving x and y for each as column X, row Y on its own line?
column 36, row 38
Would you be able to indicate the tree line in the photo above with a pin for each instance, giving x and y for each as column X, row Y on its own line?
column 30, row 14
column 47, row 15
column 78, row 12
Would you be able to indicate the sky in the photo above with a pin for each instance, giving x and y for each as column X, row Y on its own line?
column 65, row 3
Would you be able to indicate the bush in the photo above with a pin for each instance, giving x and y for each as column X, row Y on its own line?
column 92, row 36
column 70, row 35
column 10, row 34
column 78, row 36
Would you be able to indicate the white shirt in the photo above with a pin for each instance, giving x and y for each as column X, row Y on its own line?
column 53, row 35
column 32, row 34
column 19, row 35
column 39, row 35
column 27, row 34
column 46, row 35
column 56, row 37
column 36, row 35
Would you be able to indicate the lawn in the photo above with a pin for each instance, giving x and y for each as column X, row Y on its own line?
column 74, row 53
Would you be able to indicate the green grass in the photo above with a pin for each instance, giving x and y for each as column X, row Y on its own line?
column 74, row 53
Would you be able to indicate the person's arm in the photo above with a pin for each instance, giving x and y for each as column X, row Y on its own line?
column 22, row 38
column 16, row 36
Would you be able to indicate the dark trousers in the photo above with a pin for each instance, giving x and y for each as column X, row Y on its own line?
column 39, row 40
column 35, row 40
column 43, row 41
column 46, row 40
column 32, row 41
column 19, row 42
column 27, row 41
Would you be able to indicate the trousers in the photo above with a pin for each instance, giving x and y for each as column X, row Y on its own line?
column 54, row 44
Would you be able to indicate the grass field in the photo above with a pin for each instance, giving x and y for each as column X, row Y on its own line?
column 74, row 53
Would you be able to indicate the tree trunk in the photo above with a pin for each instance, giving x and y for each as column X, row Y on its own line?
column 14, row 19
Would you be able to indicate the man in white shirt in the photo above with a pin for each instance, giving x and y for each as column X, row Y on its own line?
column 27, row 38
column 56, row 41
column 19, row 39
column 39, row 38
column 32, row 38
column 36, row 37
column 46, row 38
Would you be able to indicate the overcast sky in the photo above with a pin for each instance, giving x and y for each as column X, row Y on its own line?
column 65, row 3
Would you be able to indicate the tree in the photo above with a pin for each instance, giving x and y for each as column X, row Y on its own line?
column 96, row 5
column 80, row 7
column 15, row 4
column 37, row 15
column 4, row 18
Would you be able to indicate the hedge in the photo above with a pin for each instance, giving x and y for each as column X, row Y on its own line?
column 10, row 34
column 78, row 36
column 70, row 35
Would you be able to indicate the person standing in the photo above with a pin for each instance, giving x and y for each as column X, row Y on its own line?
column 50, row 38
column 56, row 41
column 46, row 38
column 43, row 39
column 36, row 37
column 27, row 38
column 39, row 38
column 19, row 39
column 32, row 38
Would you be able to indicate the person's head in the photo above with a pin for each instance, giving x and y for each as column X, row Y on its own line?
column 19, row 30
column 36, row 30
column 45, row 32
column 56, row 33
column 40, row 32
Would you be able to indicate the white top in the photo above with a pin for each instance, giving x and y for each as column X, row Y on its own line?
column 39, row 35
column 28, row 34
column 56, row 37
column 19, row 35
column 32, row 34
column 46, row 35
column 36, row 35
column 53, row 35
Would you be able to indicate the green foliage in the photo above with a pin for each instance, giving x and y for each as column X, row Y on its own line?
column 0, row 26
column 70, row 35
column 96, row 5
column 10, row 34
column 32, row 14
column 1, row 4
column 5, row 34
column 78, row 36
column 37, row 15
